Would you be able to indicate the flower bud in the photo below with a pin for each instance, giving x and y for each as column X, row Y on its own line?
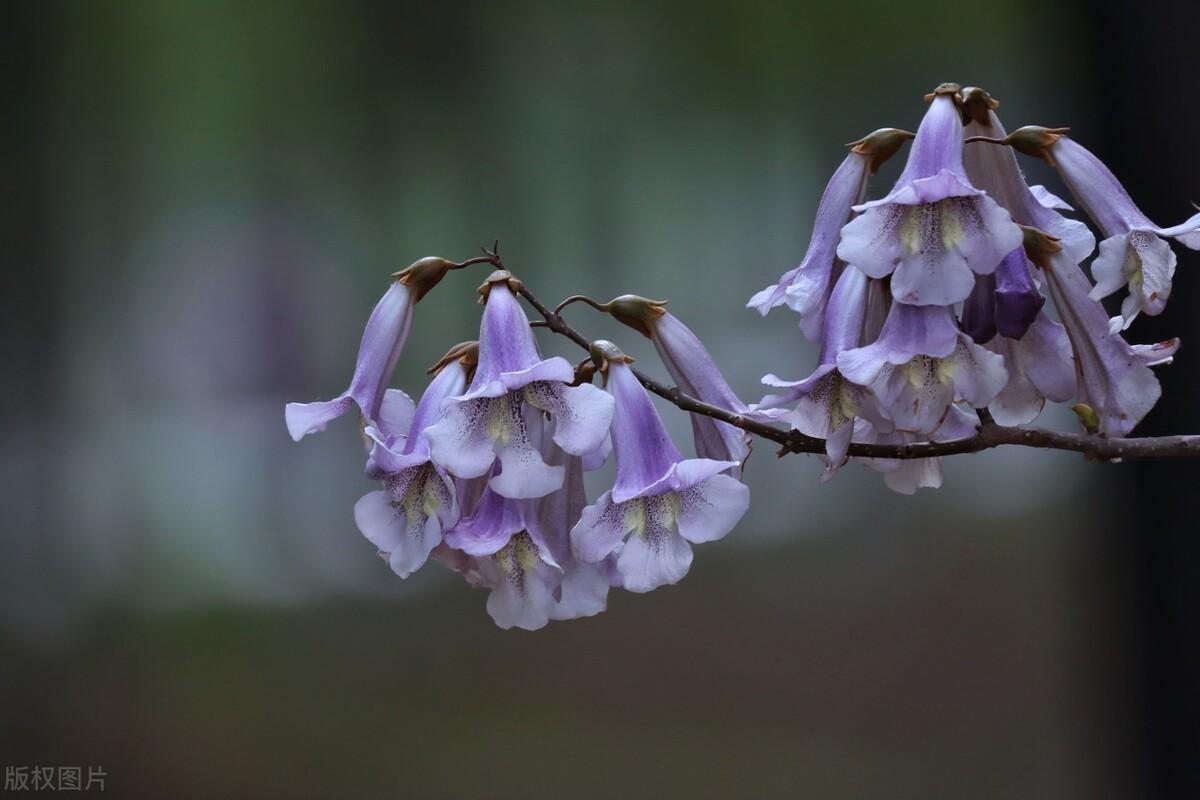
column 636, row 312
column 1034, row 140
column 879, row 146
column 423, row 275
column 977, row 105
column 499, row 276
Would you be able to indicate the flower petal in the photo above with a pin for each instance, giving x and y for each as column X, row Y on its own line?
column 712, row 508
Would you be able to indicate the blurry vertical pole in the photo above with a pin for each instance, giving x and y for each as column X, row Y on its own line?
column 29, row 320
column 1145, row 62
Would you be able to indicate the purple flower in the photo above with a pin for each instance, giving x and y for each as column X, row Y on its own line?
column 382, row 341
column 806, row 288
column 1040, row 368
column 512, row 384
column 661, row 501
column 694, row 372
column 510, row 557
column 405, row 520
column 1134, row 252
column 906, row 476
column 1112, row 378
column 584, row 588
column 935, row 230
column 995, row 170
column 920, row 364
column 826, row 404
column 1006, row 302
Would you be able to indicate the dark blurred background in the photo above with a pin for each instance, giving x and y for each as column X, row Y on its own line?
column 205, row 200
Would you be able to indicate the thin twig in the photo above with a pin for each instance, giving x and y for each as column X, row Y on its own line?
column 988, row 435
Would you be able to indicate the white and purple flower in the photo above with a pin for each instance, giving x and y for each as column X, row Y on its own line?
column 382, row 342
column 826, row 404
column 513, row 382
column 935, row 231
column 405, row 520
column 805, row 289
column 921, row 364
column 660, row 503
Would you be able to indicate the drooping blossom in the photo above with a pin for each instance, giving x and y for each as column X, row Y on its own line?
column 996, row 171
column 826, row 404
column 935, row 231
column 1113, row 379
column 694, row 372
column 1005, row 302
column 1134, row 252
column 806, row 288
column 382, row 341
column 1040, row 368
column 405, row 520
column 907, row 475
column 512, row 381
column 583, row 591
column 920, row 364
column 508, row 554
column 660, row 503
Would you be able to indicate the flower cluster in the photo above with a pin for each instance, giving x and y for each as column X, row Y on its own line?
column 930, row 308
column 929, row 303
column 485, row 474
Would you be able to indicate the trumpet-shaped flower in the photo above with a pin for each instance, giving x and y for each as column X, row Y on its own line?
column 1112, row 378
column 511, row 557
column 382, row 341
column 490, row 421
column 806, row 287
column 660, row 501
column 826, row 404
column 405, row 520
column 694, row 372
column 935, row 231
column 920, row 364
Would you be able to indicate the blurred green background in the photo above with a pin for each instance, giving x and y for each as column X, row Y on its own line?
column 207, row 200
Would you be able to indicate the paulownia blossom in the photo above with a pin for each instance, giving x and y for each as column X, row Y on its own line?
column 805, row 289
column 826, row 404
column 920, row 364
column 694, row 372
column 1113, row 379
column 935, row 231
column 662, row 502
column 405, row 520
column 382, row 341
column 490, row 421
column 511, row 557
column 1133, row 252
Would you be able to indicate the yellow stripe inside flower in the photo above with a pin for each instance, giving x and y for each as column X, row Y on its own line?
column 499, row 421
